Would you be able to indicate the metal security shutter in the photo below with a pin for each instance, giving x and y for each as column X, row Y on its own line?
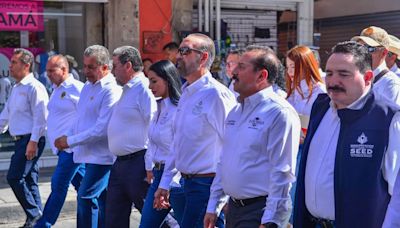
column 334, row 30
column 241, row 26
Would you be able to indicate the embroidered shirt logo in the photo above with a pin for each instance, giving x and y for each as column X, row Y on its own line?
column 254, row 123
column 230, row 122
column 198, row 108
column 63, row 94
column 361, row 150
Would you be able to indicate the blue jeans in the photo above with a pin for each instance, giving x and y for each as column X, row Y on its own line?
column 92, row 196
column 154, row 218
column 66, row 172
column 197, row 193
column 23, row 177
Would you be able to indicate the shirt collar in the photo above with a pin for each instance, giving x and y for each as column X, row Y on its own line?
column 197, row 85
column 136, row 79
column 356, row 105
column 27, row 79
column 105, row 80
column 259, row 96
column 394, row 68
column 66, row 83
column 380, row 68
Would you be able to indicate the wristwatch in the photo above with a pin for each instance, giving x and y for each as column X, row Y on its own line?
column 270, row 225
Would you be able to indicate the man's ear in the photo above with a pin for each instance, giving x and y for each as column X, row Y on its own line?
column 368, row 77
column 204, row 57
column 263, row 76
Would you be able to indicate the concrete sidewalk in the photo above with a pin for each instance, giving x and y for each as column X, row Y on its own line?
column 12, row 215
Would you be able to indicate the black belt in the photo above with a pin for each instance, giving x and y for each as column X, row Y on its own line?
column 324, row 223
column 131, row 156
column 159, row 165
column 188, row 176
column 19, row 137
column 246, row 202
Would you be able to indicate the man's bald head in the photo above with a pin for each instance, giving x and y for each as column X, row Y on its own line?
column 57, row 69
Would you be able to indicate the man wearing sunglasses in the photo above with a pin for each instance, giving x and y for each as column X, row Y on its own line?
column 393, row 55
column 198, row 129
column 385, row 82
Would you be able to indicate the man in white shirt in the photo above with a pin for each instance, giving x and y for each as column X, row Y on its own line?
column 393, row 55
column 25, row 115
column 385, row 82
column 127, row 137
column 198, row 129
column 88, row 136
column 62, row 114
column 260, row 145
column 351, row 152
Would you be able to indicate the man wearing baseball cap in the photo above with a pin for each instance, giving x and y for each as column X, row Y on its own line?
column 393, row 55
column 378, row 42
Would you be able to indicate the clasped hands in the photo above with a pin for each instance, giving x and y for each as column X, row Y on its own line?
column 61, row 143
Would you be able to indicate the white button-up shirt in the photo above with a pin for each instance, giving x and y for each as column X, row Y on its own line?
column 161, row 137
column 395, row 69
column 26, row 109
column 198, row 128
column 89, row 134
column 388, row 85
column 62, row 110
column 259, row 154
column 303, row 105
column 319, row 176
column 129, row 123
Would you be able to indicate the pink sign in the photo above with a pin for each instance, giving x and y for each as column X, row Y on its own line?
column 21, row 16
column 5, row 57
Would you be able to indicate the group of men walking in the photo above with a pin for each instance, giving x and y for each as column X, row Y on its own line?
column 240, row 152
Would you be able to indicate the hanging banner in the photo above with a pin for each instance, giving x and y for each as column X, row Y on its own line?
column 21, row 16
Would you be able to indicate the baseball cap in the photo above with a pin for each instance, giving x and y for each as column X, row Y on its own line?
column 374, row 37
column 394, row 45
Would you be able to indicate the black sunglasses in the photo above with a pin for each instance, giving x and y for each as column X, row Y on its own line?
column 373, row 49
column 188, row 50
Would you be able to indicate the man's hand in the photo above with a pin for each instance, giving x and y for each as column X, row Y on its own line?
column 31, row 150
column 149, row 176
column 61, row 143
column 161, row 199
column 209, row 220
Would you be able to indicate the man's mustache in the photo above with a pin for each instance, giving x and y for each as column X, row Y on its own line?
column 336, row 89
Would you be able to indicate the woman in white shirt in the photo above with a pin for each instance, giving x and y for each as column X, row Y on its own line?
column 303, row 80
column 165, row 84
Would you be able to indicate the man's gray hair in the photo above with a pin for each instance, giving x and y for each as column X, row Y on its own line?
column 206, row 44
column 100, row 53
column 26, row 57
column 129, row 54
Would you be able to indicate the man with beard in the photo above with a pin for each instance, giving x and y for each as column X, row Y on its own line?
column 88, row 136
column 385, row 82
column 351, row 152
column 198, row 129
column 25, row 115
column 259, row 151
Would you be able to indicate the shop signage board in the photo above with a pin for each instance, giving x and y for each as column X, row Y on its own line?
column 21, row 16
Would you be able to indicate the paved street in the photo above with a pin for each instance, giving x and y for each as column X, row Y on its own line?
column 12, row 215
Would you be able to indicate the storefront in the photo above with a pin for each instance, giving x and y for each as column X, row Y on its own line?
column 46, row 26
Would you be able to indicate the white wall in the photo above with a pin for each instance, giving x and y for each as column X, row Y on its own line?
column 338, row 8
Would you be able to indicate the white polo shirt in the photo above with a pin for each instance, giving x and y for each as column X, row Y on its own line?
column 88, row 137
column 129, row 123
column 62, row 109
column 26, row 110
column 198, row 128
column 259, row 153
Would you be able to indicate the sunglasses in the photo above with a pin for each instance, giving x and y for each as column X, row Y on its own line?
column 188, row 50
column 372, row 49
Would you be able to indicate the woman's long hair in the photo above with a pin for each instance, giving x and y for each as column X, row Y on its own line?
column 168, row 72
column 305, row 67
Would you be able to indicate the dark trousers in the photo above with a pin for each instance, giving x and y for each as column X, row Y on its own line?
column 247, row 216
column 126, row 185
column 23, row 177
